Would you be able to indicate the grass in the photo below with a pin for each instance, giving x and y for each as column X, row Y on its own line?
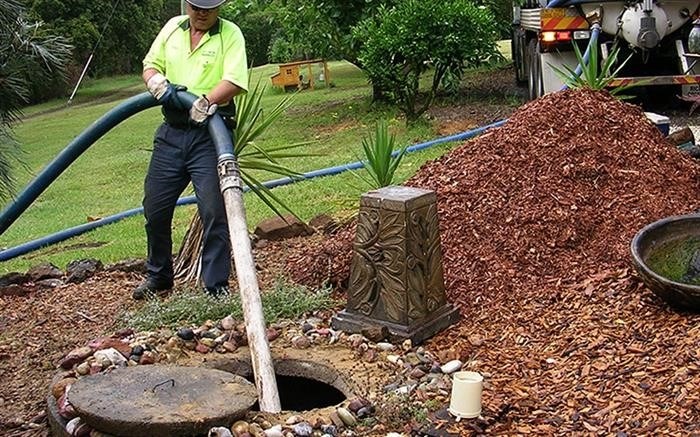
column 192, row 307
column 108, row 177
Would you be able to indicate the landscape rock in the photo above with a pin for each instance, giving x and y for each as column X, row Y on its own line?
column 75, row 356
column 128, row 266
column 280, row 228
column 80, row 270
column 13, row 278
column 44, row 271
column 375, row 334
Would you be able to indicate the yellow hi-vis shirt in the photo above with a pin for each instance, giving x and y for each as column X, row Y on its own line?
column 219, row 55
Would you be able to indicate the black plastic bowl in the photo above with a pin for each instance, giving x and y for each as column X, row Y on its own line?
column 658, row 235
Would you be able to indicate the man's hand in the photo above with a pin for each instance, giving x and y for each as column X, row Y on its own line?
column 159, row 87
column 165, row 92
column 201, row 111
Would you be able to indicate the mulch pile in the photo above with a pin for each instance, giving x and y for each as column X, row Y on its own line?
column 536, row 221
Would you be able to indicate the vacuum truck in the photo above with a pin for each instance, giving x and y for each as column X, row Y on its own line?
column 657, row 38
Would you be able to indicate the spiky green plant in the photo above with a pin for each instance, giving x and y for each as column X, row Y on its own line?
column 592, row 75
column 380, row 159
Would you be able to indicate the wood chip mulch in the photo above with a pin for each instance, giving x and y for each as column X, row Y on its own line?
column 536, row 221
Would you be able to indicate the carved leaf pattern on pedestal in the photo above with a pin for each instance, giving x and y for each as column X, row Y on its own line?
column 390, row 267
column 424, row 276
column 363, row 293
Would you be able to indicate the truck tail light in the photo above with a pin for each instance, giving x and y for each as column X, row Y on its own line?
column 558, row 36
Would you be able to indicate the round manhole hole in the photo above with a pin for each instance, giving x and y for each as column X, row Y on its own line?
column 302, row 384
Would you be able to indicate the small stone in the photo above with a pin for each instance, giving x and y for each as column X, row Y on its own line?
column 412, row 358
column 356, row 404
column 138, row 350
column 451, row 367
column 337, row 421
column 375, row 334
column 60, row 387
column 417, row 374
column 370, row 355
column 275, row 431
column 365, row 412
column 407, row 345
column 272, row 334
column 210, row 334
column 219, row 431
column 208, row 342
column 301, row 342
column 186, row 334
column 148, row 357
column 294, row 419
column 303, row 429
column 386, row 347
column 202, row 349
column 306, row 327
column 110, row 357
column 346, row 416
column 230, row 346
column 329, row 429
column 77, row 428
column 394, row 359
column 240, row 427
column 356, row 340
column 83, row 368
column 75, row 356
column 228, row 323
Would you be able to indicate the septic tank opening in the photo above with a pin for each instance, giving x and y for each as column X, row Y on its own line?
column 302, row 384
column 302, row 394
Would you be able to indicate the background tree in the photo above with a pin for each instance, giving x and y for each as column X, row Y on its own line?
column 28, row 56
column 132, row 26
column 257, row 22
column 403, row 43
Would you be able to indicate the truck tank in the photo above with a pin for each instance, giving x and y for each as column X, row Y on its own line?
column 652, row 37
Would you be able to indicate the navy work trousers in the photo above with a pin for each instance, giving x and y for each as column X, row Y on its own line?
column 180, row 156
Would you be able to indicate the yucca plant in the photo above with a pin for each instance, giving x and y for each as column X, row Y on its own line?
column 380, row 158
column 592, row 75
column 252, row 122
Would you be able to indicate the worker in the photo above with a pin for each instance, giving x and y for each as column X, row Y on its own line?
column 206, row 54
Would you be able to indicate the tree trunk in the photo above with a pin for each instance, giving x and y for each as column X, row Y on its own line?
column 188, row 262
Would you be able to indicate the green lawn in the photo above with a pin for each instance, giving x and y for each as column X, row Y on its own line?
column 108, row 178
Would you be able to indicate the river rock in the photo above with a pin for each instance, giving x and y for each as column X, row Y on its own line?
column 451, row 367
column 77, row 428
column 75, row 356
column 356, row 404
column 219, row 431
column 148, row 357
column 275, row 431
column 240, row 427
column 375, row 334
column 346, row 416
column 386, row 347
column 110, row 342
column 303, row 429
column 301, row 342
column 59, row 388
column 186, row 334
column 111, row 356
column 228, row 323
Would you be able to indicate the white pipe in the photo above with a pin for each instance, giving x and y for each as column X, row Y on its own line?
column 261, row 358
column 80, row 79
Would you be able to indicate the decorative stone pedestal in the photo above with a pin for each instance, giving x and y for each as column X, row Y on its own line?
column 396, row 277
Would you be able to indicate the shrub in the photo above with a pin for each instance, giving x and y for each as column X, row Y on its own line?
column 416, row 37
